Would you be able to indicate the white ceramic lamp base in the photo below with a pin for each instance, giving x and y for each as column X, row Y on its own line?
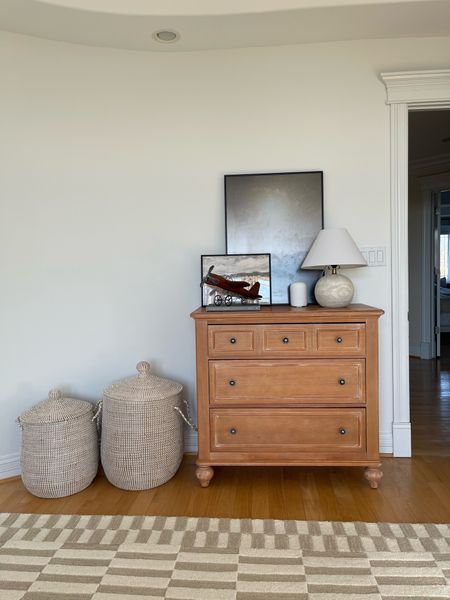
column 334, row 290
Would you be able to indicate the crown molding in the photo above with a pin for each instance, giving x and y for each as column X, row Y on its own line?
column 439, row 160
column 411, row 87
column 434, row 183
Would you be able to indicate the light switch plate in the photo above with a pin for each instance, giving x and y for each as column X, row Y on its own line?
column 374, row 255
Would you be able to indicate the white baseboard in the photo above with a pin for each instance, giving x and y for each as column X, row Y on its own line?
column 401, row 434
column 426, row 350
column 9, row 465
column 386, row 442
column 423, row 350
column 190, row 441
column 415, row 350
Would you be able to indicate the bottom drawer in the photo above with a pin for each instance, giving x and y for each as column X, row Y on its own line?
column 288, row 430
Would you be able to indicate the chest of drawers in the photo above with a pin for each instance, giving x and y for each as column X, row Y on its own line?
column 288, row 386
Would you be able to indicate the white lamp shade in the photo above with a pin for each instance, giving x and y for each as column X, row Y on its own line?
column 333, row 247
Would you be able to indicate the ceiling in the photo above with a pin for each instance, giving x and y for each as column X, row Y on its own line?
column 215, row 24
column 429, row 134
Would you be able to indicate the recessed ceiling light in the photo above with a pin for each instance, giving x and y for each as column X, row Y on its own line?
column 166, row 36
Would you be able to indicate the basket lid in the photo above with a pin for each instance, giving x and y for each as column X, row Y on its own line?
column 143, row 387
column 55, row 409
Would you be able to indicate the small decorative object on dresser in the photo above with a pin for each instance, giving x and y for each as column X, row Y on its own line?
column 59, row 446
column 230, row 279
column 298, row 294
column 334, row 248
column 288, row 386
column 142, row 433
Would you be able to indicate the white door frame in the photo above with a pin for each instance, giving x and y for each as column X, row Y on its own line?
column 406, row 90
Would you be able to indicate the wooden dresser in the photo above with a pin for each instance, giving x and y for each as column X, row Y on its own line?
column 288, row 386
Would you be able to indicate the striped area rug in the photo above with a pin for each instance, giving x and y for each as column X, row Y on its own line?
column 66, row 557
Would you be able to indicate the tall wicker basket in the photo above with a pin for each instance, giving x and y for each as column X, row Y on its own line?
column 59, row 446
column 142, row 433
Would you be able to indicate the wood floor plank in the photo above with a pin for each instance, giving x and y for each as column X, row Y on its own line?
column 430, row 405
column 412, row 490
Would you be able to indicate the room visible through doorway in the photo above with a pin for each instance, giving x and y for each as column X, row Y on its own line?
column 429, row 281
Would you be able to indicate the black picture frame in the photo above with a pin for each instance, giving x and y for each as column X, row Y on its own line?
column 228, row 265
column 278, row 213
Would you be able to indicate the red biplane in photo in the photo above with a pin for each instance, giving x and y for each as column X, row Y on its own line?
column 236, row 289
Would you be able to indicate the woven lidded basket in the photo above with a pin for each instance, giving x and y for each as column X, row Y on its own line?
column 142, row 433
column 59, row 446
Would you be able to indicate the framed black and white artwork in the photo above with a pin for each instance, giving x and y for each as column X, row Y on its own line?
column 280, row 214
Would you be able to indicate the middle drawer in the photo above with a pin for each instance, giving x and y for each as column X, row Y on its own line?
column 315, row 381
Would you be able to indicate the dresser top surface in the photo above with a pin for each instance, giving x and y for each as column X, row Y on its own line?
column 312, row 312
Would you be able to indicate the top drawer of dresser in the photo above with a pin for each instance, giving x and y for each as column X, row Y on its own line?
column 287, row 340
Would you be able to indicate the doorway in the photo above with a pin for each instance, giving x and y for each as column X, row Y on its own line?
column 429, row 281
column 405, row 91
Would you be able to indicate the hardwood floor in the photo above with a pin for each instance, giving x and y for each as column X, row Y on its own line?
column 412, row 490
column 430, row 405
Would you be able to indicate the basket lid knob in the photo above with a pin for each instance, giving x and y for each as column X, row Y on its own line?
column 55, row 395
column 143, row 368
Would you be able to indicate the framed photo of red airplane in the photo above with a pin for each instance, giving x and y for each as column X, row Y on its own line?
column 235, row 279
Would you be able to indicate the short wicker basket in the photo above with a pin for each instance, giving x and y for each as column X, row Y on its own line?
column 59, row 446
column 142, row 433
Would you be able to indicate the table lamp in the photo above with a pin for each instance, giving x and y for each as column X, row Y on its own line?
column 332, row 249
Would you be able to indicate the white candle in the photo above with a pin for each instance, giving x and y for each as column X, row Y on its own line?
column 298, row 294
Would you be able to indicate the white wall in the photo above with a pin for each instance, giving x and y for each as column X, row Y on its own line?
column 111, row 188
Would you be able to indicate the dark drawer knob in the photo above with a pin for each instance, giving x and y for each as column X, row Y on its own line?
column 233, row 431
column 232, row 382
column 342, row 430
column 233, row 340
column 285, row 340
column 339, row 340
column 341, row 381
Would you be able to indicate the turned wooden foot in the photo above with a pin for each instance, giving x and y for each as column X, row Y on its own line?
column 204, row 474
column 373, row 476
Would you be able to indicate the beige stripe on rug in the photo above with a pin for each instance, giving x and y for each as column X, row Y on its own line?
column 68, row 557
